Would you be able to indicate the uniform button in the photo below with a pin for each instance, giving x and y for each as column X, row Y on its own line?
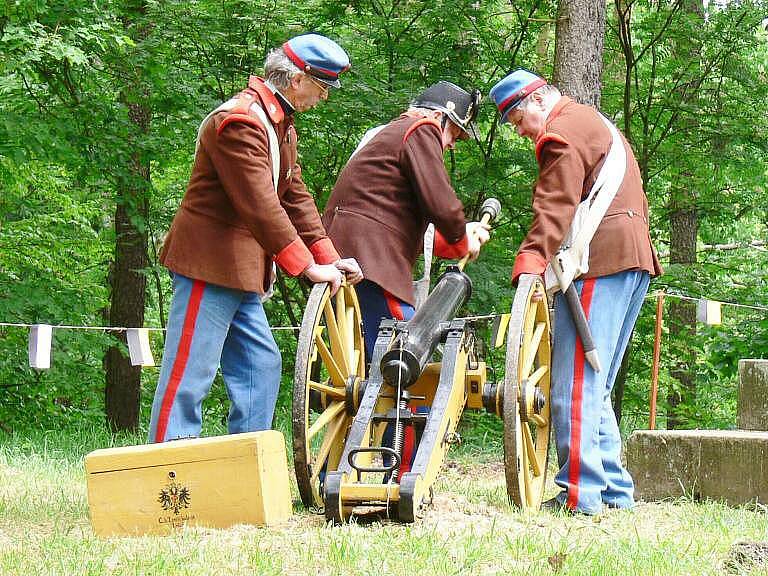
column 630, row 213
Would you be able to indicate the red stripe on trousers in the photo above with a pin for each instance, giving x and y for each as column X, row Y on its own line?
column 394, row 306
column 180, row 363
column 574, row 457
column 409, row 442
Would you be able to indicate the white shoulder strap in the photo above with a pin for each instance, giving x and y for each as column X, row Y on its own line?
column 421, row 286
column 274, row 145
column 572, row 259
column 367, row 137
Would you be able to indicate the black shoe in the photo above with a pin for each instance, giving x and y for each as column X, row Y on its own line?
column 554, row 506
column 614, row 506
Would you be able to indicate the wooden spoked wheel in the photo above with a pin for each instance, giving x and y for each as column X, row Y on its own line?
column 330, row 367
column 526, row 400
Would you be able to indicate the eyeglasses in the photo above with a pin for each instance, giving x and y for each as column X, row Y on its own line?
column 515, row 117
column 323, row 87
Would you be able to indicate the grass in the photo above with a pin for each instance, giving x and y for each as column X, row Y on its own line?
column 471, row 529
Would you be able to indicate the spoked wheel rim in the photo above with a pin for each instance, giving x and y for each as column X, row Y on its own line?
column 526, row 402
column 330, row 363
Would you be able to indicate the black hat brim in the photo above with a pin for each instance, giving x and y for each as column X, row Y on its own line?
column 331, row 83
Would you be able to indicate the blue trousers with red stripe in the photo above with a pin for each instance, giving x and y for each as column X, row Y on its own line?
column 375, row 304
column 586, row 433
column 211, row 326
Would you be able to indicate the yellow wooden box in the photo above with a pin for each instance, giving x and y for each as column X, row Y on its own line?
column 215, row 482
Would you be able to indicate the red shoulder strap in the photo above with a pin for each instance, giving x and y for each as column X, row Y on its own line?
column 548, row 137
column 240, row 113
column 421, row 122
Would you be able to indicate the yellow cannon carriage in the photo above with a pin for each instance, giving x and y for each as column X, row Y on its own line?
column 376, row 438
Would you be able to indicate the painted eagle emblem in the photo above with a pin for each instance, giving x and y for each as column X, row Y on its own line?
column 174, row 497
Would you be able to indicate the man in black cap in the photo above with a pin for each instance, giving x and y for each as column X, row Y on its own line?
column 392, row 187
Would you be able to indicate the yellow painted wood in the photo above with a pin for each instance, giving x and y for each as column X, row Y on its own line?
column 215, row 482
column 448, row 423
column 330, row 363
column 337, row 341
column 335, row 393
column 328, row 414
column 475, row 381
column 500, row 337
column 354, row 492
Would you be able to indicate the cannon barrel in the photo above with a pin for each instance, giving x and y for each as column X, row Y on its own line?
column 404, row 362
column 409, row 354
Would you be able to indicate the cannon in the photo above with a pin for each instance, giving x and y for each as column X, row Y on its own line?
column 375, row 438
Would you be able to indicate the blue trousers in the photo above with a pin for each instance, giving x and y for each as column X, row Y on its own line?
column 586, row 433
column 208, row 326
column 375, row 304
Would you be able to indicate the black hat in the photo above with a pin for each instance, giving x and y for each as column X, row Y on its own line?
column 460, row 106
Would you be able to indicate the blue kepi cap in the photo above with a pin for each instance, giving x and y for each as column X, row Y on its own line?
column 513, row 88
column 318, row 56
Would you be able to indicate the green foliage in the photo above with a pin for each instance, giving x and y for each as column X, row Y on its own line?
column 690, row 95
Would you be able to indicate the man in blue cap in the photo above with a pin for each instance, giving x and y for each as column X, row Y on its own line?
column 245, row 209
column 589, row 194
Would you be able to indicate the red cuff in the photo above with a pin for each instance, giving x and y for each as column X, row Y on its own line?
column 444, row 249
column 294, row 258
column 324, row 251
column 527, row 263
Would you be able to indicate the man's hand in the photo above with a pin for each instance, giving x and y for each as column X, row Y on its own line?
column 478, row 234
column 351, row 269
column 324, row 273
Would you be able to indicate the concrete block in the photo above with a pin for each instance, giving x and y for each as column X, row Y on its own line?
column 753, row 394
column 727, row 465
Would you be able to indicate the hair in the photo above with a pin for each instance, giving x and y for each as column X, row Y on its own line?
column 549, row 94
column 279, row 69
column 424, row 111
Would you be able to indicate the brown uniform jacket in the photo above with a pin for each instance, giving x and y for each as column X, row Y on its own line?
column 386, row 196
column 231, row 224
column 570, row 152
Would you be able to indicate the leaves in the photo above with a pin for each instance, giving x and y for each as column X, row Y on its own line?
column 72, row 74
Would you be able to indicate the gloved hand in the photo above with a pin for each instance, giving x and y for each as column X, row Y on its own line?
column 351, row 269
column 324, row 273
column 478, row 234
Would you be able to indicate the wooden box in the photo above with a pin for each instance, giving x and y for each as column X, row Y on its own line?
column 215, row 482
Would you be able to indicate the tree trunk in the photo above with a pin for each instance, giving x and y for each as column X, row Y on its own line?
column 683, row 229
column 128, row 280
column 579, row 49
column 128, row 283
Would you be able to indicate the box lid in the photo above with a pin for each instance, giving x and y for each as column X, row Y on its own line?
column 181, row 451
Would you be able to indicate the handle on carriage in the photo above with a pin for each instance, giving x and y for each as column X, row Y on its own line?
column 383, row 450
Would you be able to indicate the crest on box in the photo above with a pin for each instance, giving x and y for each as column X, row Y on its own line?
column 174, row 496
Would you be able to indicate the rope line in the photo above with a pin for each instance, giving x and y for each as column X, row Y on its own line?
column 296, row 328
column 695, row 299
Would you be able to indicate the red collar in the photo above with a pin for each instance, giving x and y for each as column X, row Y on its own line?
column 271, row 105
